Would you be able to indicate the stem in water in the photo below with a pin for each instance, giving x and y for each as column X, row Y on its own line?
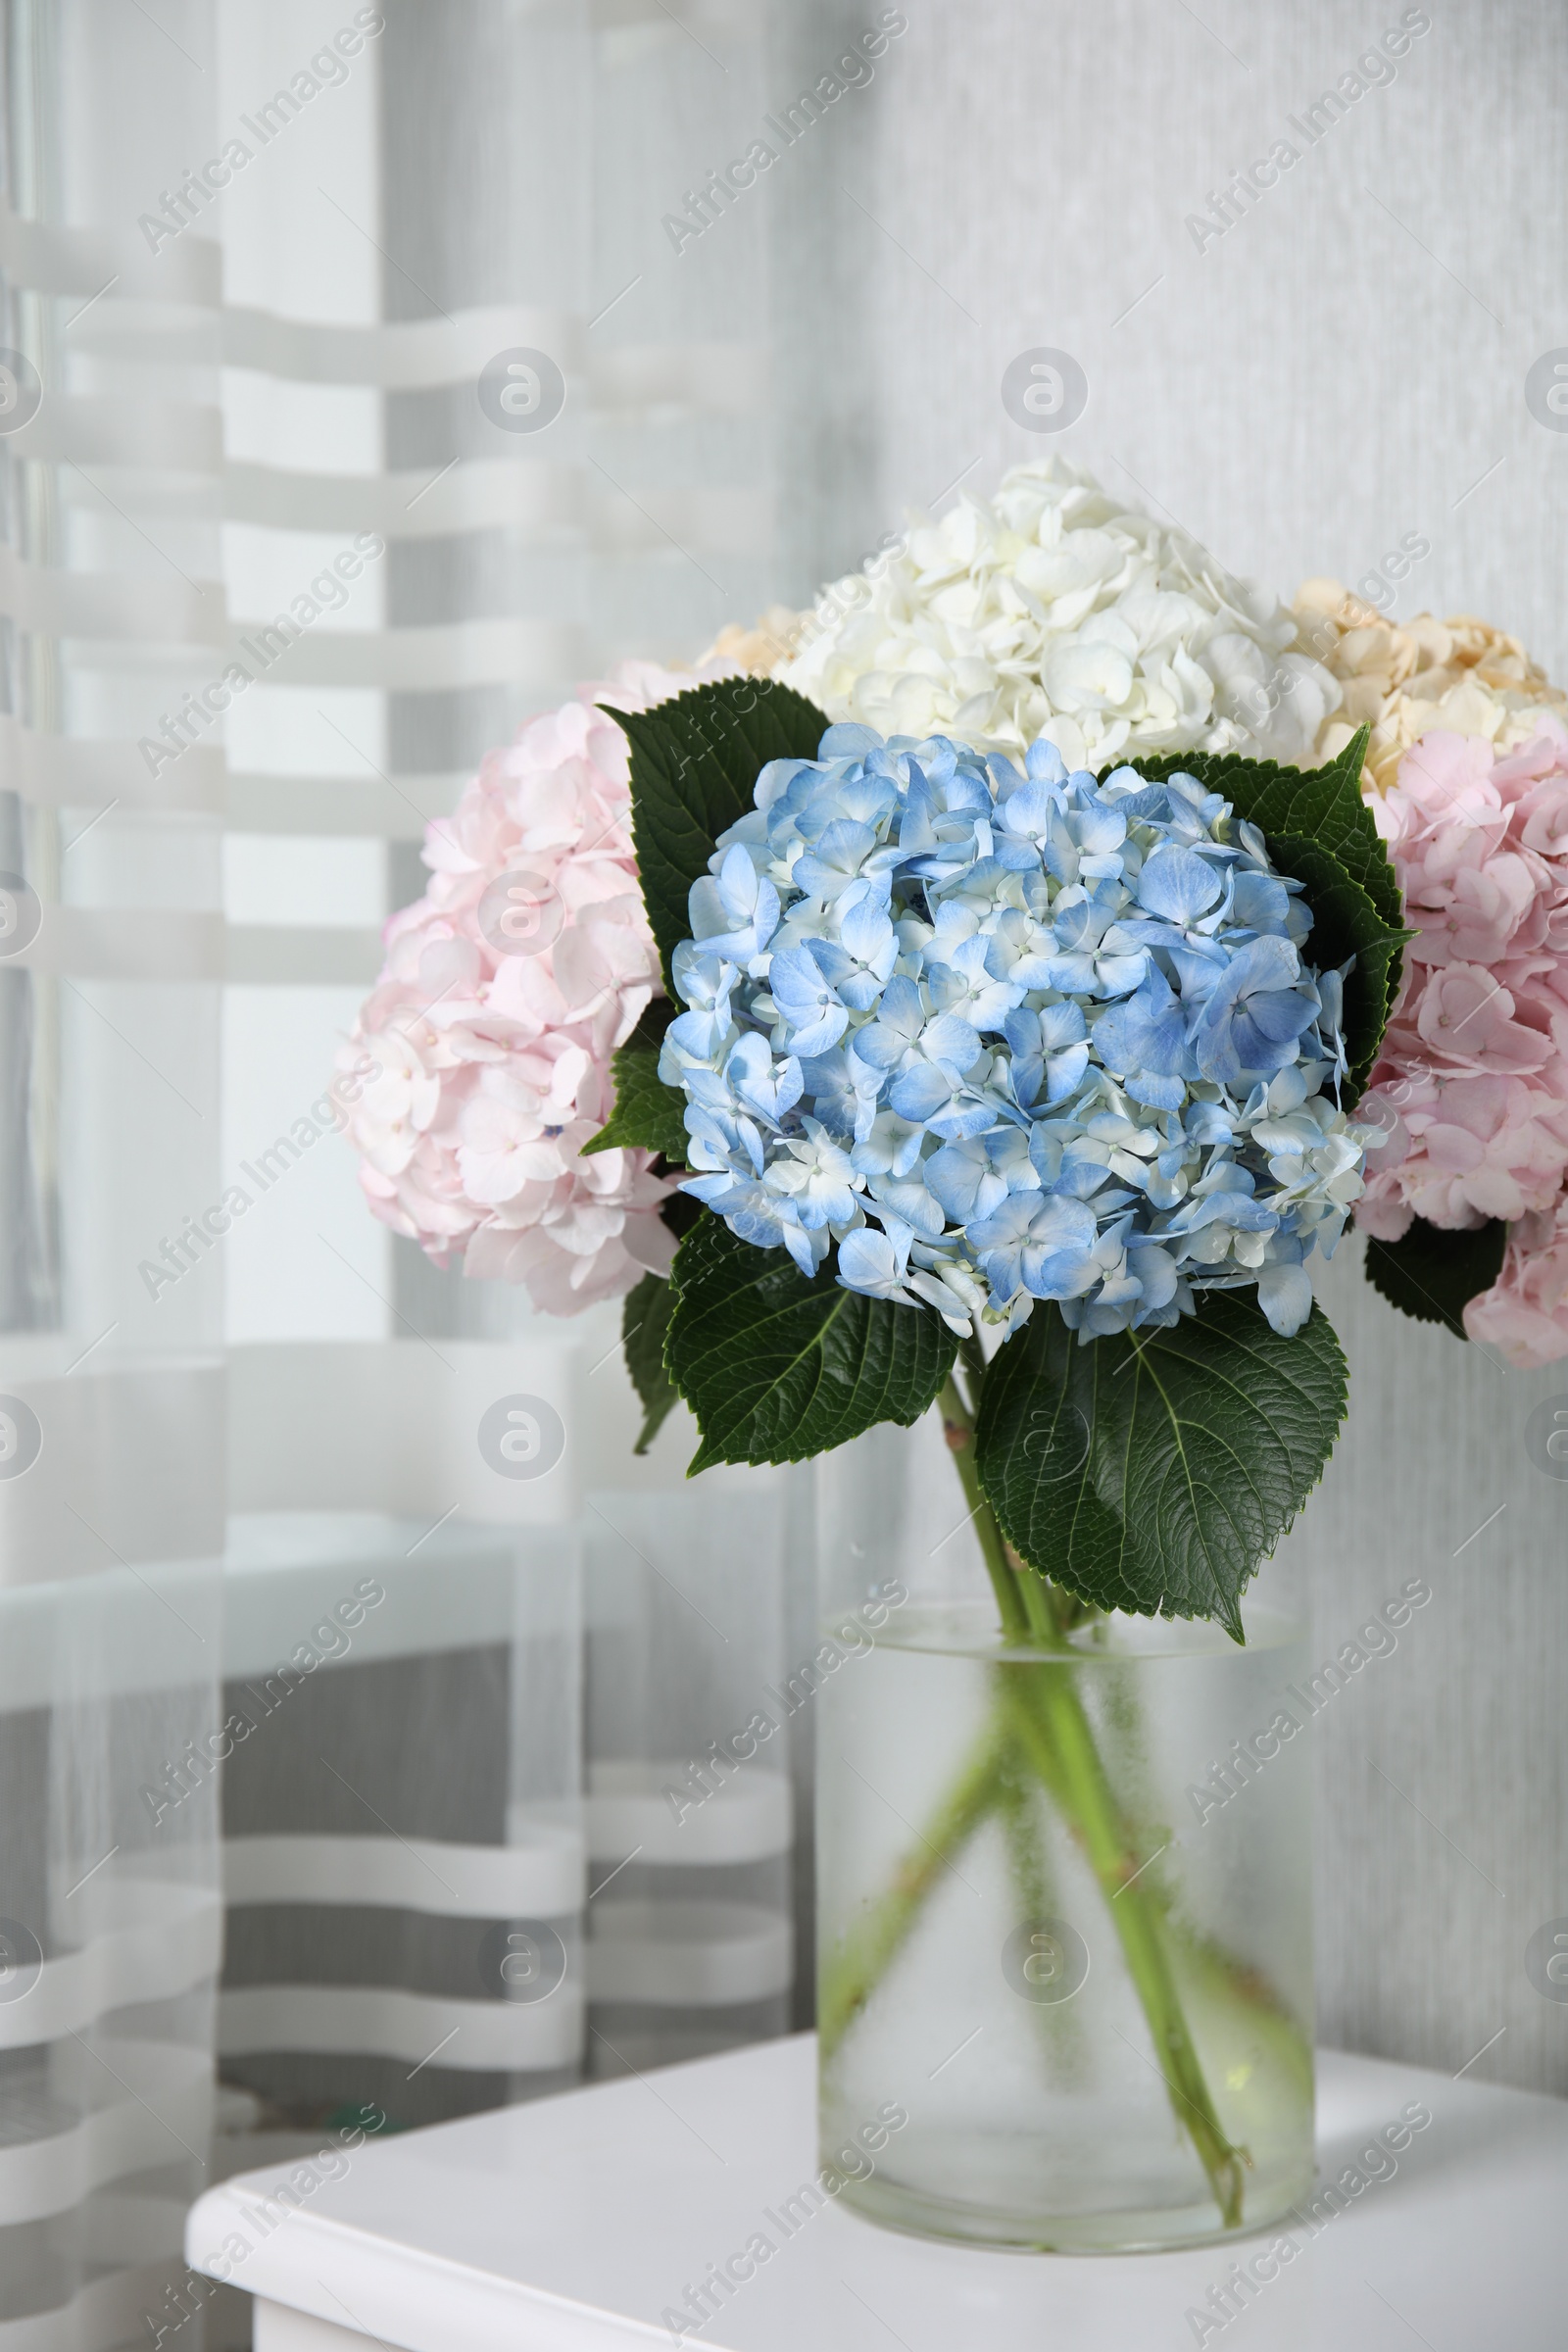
column 1047, row 1719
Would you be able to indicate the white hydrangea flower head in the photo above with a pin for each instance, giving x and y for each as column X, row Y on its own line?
column 1054, row 610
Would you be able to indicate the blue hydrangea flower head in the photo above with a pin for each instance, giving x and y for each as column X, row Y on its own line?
column 1001, row 1034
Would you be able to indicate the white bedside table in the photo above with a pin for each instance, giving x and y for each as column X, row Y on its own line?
column 572, row 2224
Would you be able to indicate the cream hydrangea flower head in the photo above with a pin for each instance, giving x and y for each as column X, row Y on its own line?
column 758, row 651
column 1056, row 610
column 1405, row 678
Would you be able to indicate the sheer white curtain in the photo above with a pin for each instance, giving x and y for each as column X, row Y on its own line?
column 258, row 260
column 435, row 208
column 408, row 1797
column 650, row 525
column 366, row 1713
column 111, row 1421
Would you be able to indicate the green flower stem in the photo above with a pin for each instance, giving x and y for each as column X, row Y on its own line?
column 864, row 1957
column 957, row 1425
column 1054, row 1733
column 1035, row 1899
column 1049, row 1723
column 1025, row 1853
column 1215, row 1976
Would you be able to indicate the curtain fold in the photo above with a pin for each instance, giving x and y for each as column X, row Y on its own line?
column 690, row 1801
column 111, row 1413
column 399, row 1809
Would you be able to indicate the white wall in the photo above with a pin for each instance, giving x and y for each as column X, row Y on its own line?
column 1341, row 367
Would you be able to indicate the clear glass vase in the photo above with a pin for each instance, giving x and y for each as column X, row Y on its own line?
column 1064, row 1920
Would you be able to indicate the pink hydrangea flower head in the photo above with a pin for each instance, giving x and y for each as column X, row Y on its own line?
column 1525, row 1313
column 1471, row 1086
column 504, row 991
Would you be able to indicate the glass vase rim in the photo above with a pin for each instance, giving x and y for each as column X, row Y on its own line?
column 967, row 1627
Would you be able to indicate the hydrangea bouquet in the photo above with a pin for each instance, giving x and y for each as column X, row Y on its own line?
column 996, row 1007
column 1028, row 1091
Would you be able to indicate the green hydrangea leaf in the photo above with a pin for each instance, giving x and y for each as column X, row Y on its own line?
column 644, row 1320
column 777, row 1368
column 1433, row 1274
column 1346, row 924
column 695, row 762
column 680, row 1212
column 1154, row 1472
column 648, row 1114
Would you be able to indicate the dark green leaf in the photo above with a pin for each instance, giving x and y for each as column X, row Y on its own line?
column 644, row 1320
column 1325, row 804
column 695, row 762
column 1346, row 924
column 1382, row 959
column 777, row 1368
column 680, row 1212
column 1431, row 1273
column 648, row 1113
column 1153, row 1473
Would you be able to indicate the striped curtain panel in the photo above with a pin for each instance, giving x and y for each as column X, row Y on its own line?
column 112, row 612
column 345, row 1776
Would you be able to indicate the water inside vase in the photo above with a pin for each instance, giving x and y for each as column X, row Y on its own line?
column 1064, row 1928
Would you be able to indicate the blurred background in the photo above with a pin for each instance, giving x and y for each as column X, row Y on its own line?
column 263, row 273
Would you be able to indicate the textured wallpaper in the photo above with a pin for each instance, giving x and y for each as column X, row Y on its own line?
column 1343, row 364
